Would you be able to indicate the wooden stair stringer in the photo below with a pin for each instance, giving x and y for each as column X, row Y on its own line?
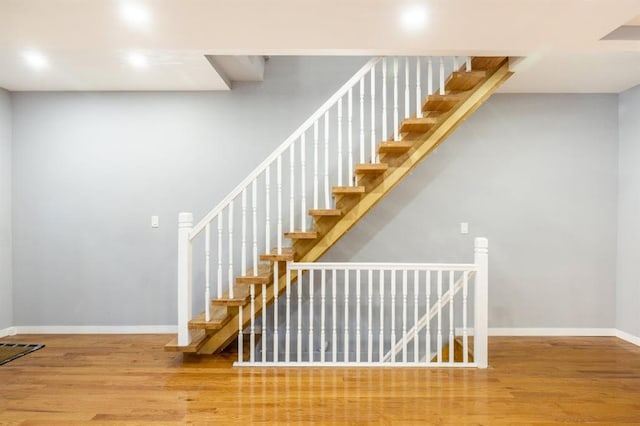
column 424, row 146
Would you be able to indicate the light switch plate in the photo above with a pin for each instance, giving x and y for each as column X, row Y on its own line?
column 155, row 222
column 464, row 227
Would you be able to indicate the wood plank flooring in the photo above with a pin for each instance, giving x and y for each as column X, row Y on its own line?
column 131, row 379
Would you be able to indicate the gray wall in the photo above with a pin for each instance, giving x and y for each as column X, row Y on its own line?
column 6, row 297
column 628, row 283
column 537, row 175
column 91, row 168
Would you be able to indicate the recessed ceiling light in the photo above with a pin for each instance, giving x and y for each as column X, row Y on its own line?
column 414, row 17
column 35, row 59
column 138, row 60
column 135, row 14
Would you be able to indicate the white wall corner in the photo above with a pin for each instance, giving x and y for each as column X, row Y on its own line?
column 628, row 337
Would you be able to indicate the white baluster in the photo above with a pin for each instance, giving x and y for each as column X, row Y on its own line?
column 230, row 273
column 428, row 335
column 334, row 311
column 323, row 304
column 393, row 311
column 439, row 316
column 315, row 165
column 373, row 115
column 252, row 344
column 240, row 339
column 279, row 183
column 465, row 336
column 350, row 136
column 407, row 93
column 207, row 273
column 299, row 337
column 468, row 64
column 396, row 128
column 311, row 317
column 264, row 323
column 275, row 311
column 362, row 120
column 385, row 135
column 243, row 259
column 340, row 142
column 430, row 77
column 346, row 315
column 404, row 315
column 292, row 188
column 267, row 200
column 287, row 333
column 416, row 337
column 418, row 90
column 303, row 182
column 220, row 220
column 254, row 206
column 327, row 190
column 381, row 337
column 441, row 75
column 454, row 62
column 451, row 341
column 369, row 317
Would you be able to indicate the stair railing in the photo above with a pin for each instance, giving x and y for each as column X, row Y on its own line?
column 364, row 314
column 353, row 117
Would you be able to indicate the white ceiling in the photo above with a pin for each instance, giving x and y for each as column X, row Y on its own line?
column 86, row 42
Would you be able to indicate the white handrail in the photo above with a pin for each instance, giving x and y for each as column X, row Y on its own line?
column 284, row 146
column 298, row 266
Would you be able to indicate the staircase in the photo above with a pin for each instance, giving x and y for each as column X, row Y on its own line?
column 368, row 177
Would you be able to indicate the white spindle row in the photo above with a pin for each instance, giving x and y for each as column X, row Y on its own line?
column 407, row 312
column 373, row 85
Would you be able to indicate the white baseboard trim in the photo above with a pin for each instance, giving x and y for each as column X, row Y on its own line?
column 9, row 331
column 628, row 337
column 97, row 329
column 568, row 332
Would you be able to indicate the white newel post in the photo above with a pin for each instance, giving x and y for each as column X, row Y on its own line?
column 185, row 224
column 481, row 321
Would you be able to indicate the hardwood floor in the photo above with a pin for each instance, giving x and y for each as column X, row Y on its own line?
column 131, row 379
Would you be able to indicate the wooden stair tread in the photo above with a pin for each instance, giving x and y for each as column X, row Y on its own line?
column 219, row 317
column 301, row 235
column 325, row 212
column 240, row 297
column 371, row 169
column 198, row 339
column 487, row 62
column 273, row 256
column 348, row 190
column 394, row 147
column 417, row 125
column 443, row 103
column 463, row 80
column 264, row 276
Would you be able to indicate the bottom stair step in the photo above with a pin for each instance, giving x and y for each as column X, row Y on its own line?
column 198, row 339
